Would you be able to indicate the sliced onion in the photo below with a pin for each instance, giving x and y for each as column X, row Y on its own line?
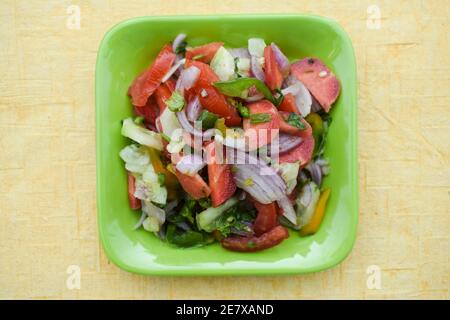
column 286, row 143
column 315, row 171
column 141, row 220
column 303, row 98
column 240, row 53
column 193, row 109
column 305, row 195
column 190, row 164
column 265, row 188
column 281, row 59
column 173, row 69
column 256, row 97
column 208, row 134
column 177, row 41
column 256, row 69
column 188, row 78
column 288, row 210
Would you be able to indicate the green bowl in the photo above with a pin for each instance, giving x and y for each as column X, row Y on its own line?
column 127, row 49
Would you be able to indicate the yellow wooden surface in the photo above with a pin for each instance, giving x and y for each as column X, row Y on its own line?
column 47, row 158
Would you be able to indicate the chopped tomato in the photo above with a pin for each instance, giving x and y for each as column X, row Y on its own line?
column 150, row 111
column 264, row 132
column 319, row 80
column 213, row 101
column 146, row 83
column 210, row 98
column 135, row 203
column 272, row 72
column 266, row 218
column 203, row 53
column 195, row 186
column 289, row 129
column 221, row 180
column 288, row 104
column 302, row 153
column 162, row 94
column 251, row 244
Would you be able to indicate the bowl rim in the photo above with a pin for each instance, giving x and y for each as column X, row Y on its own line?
column 343, row 252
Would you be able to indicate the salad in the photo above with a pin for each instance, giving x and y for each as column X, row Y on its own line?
column 227, row 144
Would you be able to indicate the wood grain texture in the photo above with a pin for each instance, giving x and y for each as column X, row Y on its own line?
column 47, row 162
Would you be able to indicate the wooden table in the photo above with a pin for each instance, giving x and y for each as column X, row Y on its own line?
column 47, row 163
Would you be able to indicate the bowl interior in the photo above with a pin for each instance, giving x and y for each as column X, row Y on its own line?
column 129, row 48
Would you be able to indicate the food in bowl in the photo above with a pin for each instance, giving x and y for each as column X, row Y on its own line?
column 227, row 144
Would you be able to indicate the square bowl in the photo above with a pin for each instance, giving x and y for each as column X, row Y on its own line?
column 127, row 49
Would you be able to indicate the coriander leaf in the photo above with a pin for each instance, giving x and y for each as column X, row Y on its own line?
column 256, row 118
column 176, row 102
column 204, row 203
column 162, row 179
column 184, row 239
column 296, row 121
column 208, row 119
column 181, row 49
column 235, row 220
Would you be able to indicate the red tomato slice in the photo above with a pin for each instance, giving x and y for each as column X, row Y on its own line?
column 288, row 104
column 262, row 131
column 135, row 203
column 149, row 111
column 251, row 244
column 210, row 98
column 195, row 186
column 266, row 219
column 272, row 72
column 319, row 80
column 213, row 101
column 206, row 51
column 287, row 128
column 207, row 75
column 220, row 178
column 146, row 83
column 302, row 153
column 162, row 94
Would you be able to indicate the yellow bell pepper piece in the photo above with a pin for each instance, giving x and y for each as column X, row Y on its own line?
column 170, row 180
column 220, row 125
column 319, row 212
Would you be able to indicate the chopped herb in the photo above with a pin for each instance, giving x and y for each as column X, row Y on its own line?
column 279, row 99
column 260, row 118
column 198, row 56
column 208, row 119
column 296, row 121
column 139, row 120
column 162, row 179
column 236, row 61
column 176, row 102
column 234, row 169
column 248, row 182
column 181, row 49
column 184, row 239
column 165, row 136
column 243, row 110
column 236, row 219
column 204, row 203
